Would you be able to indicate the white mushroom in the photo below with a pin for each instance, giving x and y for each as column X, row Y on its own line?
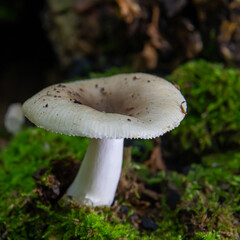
column 14, row 118
column 107, row 110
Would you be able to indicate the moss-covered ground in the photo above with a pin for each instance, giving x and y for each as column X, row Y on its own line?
column 197, row 197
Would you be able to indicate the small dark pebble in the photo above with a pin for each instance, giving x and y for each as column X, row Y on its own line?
column 124, row 209
column 148, row 223
column 172, row 198
column 129, row 120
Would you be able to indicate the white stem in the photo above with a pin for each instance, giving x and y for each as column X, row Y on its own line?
column 98, row 176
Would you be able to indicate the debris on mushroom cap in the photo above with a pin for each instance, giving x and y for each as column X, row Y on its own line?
column 14, row 118
column 135, row 105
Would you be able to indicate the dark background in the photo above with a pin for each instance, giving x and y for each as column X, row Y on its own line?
column 43, row 42
column 26, row 55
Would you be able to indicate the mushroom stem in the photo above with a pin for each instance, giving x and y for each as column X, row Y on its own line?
column 97, row 179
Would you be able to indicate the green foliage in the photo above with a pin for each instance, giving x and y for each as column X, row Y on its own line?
column 210, row 197
column 88, row 224
column 23, row 216
column 212, row 93
column 34, row 220
column 207, row 236
column 33, row 149
column 210, row 194
column 169, row 227
column 210, row 191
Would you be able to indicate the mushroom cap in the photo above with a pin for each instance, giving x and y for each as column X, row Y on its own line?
column 135, row 105
column 14, row 118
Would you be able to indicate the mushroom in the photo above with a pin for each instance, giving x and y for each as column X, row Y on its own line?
column 106, row 110
column 14, row 118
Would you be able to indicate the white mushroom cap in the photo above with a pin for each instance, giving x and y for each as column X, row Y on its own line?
column 14, row 118
column 135, row 105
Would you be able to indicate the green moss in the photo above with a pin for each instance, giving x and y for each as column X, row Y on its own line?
column 34, row 220
column 24, row 216
column 32, row 149
column 209, row 193
column 212, row 93
column 87, row 224
column 207, row 236
column 210, row 198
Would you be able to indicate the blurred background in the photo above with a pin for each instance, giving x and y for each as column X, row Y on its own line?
column 47, row 41
column 187, row 181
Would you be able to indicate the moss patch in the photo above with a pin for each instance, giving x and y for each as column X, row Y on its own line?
column 201, row 202
column 213, row 121
column 208, row 197
column 32, row 149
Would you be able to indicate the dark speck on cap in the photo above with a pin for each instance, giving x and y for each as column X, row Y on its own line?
column 76, row 101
